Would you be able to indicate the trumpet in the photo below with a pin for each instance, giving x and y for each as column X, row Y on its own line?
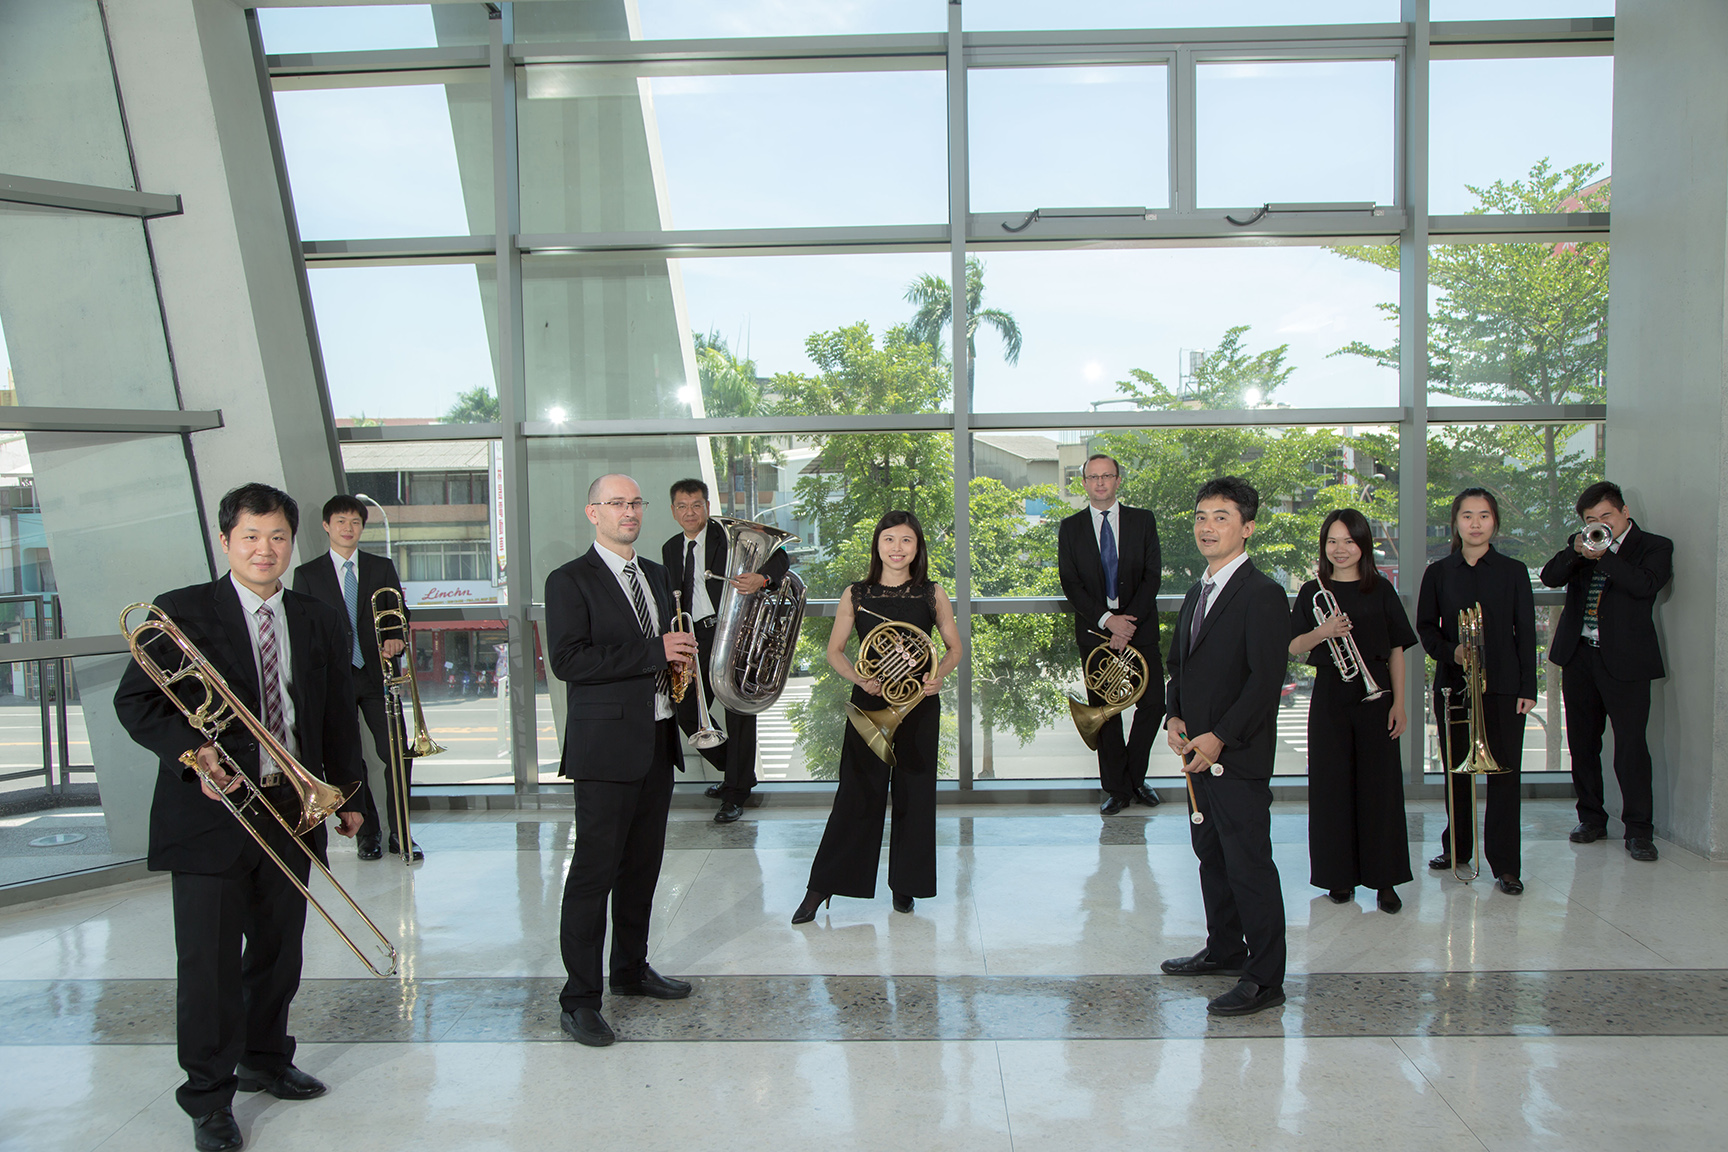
column 1346, row 656
column 1597, row 536
column 706, row 735
column 1119, row 677
column 219, row 708
column 388, row 612
column 1479, row 761
column 896, row 653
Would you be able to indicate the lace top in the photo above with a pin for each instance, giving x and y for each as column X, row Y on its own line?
column 913, row 604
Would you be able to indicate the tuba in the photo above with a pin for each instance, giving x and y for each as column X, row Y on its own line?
column 897, row 654
column 1119, row 677
column 388, row 612
column 755, row 634
column 210, row 716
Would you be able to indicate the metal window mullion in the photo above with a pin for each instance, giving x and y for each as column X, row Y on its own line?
column 1413, row 371
column 512, row 398
column 1184, row 127
column 959, row 209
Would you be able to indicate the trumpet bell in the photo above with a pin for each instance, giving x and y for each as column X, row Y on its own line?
column 877, row 727
column 708, row 738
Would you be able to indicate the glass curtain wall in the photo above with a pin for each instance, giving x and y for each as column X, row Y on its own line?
column 736, row 262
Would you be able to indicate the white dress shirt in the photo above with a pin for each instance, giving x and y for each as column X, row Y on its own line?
column 1216, row 582
column 1115, row 511
column 663, row 709
column 250, row 602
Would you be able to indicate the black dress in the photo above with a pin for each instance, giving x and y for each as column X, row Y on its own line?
column 1501, row 585
column 1356, row 829
column 845, row 864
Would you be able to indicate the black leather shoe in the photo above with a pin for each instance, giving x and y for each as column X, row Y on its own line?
column 1341, row 895
column 288, row 1084
column 1245, row 998
column 902, row 903
column 1587, row 834
column 587, row 1026
column 1641, row 849
column 712, row 791
column 1199, row 965
column 1112, row 805
column 216, row 1132
column 807, row 910
column 655, row 985
column 728, row 813
column 1510, row 884
column 1441, row 863
column 1146, row 796
column 1388, row 900
column 415, row 844
column 369, row 847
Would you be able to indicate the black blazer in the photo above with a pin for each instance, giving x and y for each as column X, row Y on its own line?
column 1139, row 569
column 189, row 832
column 1231, row 683
column 1636, row 573
column 1502, row 586
column 596, row 647
column 318, row 578
column 714, row 560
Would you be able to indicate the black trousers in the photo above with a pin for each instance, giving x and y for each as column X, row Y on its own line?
column 845, row 863
column 735, row 759
column 1595, row 698
column 1238, row 880
column 238, row 936
column 1500, row 840
column 1356, row 828
column 370, row 699
column 620, row 841
column 1122, row 764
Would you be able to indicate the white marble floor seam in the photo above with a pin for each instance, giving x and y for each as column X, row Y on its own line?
column 1417, row 1068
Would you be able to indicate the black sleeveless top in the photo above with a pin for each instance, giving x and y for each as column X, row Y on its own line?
column 913, row 604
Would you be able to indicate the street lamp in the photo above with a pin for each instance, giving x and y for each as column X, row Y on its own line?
column 387, row 550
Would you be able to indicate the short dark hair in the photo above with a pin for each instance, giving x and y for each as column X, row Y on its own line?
column 919, row 572
column 1101, row 456
column 1234, row 489
column 1598, row 492
column 1458, row 502
column 260, row 500
column 1361, row 534
column 689, row 487
column 343, row 503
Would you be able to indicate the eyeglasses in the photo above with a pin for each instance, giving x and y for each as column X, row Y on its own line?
column 1098, row 476
column 620, row 505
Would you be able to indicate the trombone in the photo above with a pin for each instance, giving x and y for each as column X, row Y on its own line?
column 388, row 612
column 1480, row 759
column 706, row 735
column 218, row 709
column 896, row 653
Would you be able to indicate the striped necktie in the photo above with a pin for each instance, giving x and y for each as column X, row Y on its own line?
column 644, row 618
column 351, row 597
column 270, row 687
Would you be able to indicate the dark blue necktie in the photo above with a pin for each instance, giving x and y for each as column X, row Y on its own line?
column 1107, row 553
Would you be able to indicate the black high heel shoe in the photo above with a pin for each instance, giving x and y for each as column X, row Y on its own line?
column 812, row 901
column 902, row 903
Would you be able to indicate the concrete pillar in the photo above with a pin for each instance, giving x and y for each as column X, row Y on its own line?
column 1667, row 404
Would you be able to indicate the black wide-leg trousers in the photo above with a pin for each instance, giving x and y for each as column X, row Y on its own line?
column 1357, row 834
column 851, row 848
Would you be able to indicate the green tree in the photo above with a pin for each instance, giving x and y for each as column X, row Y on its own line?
column 935, row 314
column 730, row 387
column 478, row 405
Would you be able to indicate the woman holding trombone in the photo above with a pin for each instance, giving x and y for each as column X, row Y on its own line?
column 1349, row 623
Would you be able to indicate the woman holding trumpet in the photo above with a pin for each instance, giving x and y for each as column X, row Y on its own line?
column 895, row 718
column 1349, row 623
column 1474, row 576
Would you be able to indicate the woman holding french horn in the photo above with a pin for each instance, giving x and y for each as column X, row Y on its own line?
column 894, row 720
column 1349, row 623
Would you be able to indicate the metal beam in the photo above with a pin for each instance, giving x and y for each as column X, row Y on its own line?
column 67, row 649
column 1189, row 418
column 1413, row 362
column 378, row 60
column 744, row 425
column 86, row 197
column 1183, row 227
column 1522, row 39
column 407, row 433
column 925, row 50
column 443, row 249
column 1517, row 413
column 959, row 324
column 121, row 420
column 739, row 241
column 1532, row 228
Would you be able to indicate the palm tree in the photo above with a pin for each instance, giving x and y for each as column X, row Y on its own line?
column 936, row 311
column 730, row 387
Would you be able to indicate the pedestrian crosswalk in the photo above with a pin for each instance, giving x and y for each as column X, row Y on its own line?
column 1293, row 729
column 775, row 739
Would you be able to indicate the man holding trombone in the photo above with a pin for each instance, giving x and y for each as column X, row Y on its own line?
column 238, row 919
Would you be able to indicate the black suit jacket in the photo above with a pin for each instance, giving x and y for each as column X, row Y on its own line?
column 189, row 832
column 1502, row 587
column 596, row 647
column 318, row 578
column 1636, row 573
column 1230, row 683
column 1139, row 570
column 714, row 560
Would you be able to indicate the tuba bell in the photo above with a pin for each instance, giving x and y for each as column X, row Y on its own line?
column 755, row 634
column 1119, row 677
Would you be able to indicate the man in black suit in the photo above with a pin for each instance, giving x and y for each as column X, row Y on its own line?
column 699, row 549
column 608, row 620
column 238, row 921
column 345, row 578
column 1606, row 645
column 1227, row 665
column 1108, row 559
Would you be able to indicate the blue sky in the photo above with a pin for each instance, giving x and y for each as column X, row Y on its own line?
column 750, row 151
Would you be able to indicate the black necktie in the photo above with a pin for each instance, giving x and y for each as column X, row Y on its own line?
column 1199, row 615
column 690, row 578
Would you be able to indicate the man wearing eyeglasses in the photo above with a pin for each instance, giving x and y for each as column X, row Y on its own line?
column 1107, row 555
column 609, row 638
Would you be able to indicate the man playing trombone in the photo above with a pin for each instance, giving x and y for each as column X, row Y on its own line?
column 285, row 657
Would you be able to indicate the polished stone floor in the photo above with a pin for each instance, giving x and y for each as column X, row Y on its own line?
column 1019, row 1009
